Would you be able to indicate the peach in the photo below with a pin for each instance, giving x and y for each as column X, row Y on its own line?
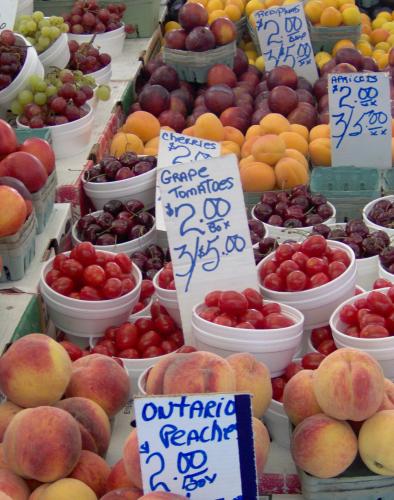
column 299, row 400
column 118, row 477
column 67, row 489
column 198, row 372
column 123, row 494
column 101, row 379
column 375, row 443
column 388, row 398
column 349, row 385
column 261, row 440
column 35, row 371
column 94, row 423
column 161, row 495
column 42, row 443
column 253, row 377
column 3, row 464
column 92, row 470
column 36, row 495
column 131, row 457
column 13, row 486
column 323, row 446
column 155, row 378
column 7, row 412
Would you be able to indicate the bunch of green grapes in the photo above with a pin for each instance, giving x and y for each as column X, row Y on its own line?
column 40, row 31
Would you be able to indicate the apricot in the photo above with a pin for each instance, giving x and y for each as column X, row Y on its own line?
column 257, row 176
column 269, row 149
column 300, row 129
column 246, row 161
column 320, row 152
column 208, row 126
column 293, row 140
column 35, row 371
column 253, row 130
column 296, row 155
column 274, row 123
column 7, row 412
column 92, row 470
column 13, row 486
column 234, row 135
column 246, row 149
column 122, row 142
column 67, row 489
column 42, row 443
column 189, row 131
column 319, row 132
column 143, row 124
column 230, row 147
column 290, row 173
column 299, row 400
column 331, row 17
column 313, row 10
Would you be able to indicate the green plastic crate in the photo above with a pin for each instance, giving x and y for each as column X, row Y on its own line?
column 25, row 133
column 388, row 182
column 349, row 189
column 142, row 14
column 323, row 38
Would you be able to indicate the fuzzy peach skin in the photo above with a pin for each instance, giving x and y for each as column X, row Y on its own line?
column 155, row 378
column 118, row 477
column 198, row 372
column 253, row 377
column 349, row 385
column 13, row 485
column 261, row 441
column 94, row 423
column 161, row 495
column 323, row 446
column 7, row 412
column 36, row 495
column 42, row 443
column 3, row 464
column 131, row 458
column 68, row 489
column 102, row 380
column 123, row 494
column 375, row 442
column 388, row 398
column 299, row 400
column 92, row 470
column 35, row 371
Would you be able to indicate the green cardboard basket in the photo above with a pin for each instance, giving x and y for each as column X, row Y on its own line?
column 323, row 38
column 388, row 182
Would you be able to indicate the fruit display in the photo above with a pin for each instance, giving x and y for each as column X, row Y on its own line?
column 87, row 274
column 12, row 57
column 322, row 340
column 386, row 258
column 332, row 14
column 86, row 58
column 151, row 260
column 128, row 165
column 89, row 17
column 382, row 213
column 40, row 31
column 117, row 223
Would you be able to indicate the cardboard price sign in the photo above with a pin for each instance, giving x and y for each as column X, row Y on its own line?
column 360, row 118
column 199, row 445
column 176, row 149
column 208, row 232
column 8, row 10
column 284, row 39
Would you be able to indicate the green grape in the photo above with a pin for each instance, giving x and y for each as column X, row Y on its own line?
column 41, row 86
column 78, row 74
column 44, row 42
column 64, row 28
column 16, row 108
column 54, row 32
column 40, row 98
column 103, row 92
column 23, row 17
column 37, row 16
column 46, row 31
column 44, row 22
column 89, row 80
column 31, row 26
column 25, row 97
column 51, row 90
column 23, row 28
column 34, row 81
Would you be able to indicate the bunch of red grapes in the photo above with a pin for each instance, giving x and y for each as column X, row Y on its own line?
column 12, row 58
column 86, row 58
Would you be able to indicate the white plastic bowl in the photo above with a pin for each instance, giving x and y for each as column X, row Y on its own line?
column 85, row 318
column 103, row 75
column 275, row 354
column 297, row 234
column 58, row 54
column 317, row 304
column 277, row 423
column 32, row 66
column 111, row 42
column 384, row 274
column 144, row 312
column 141, row 187
column 248, row 334
column 71, row 138
column 141, row 384
column 25, row 8
column 168, row 299
column 367, row 209
column 128, row 247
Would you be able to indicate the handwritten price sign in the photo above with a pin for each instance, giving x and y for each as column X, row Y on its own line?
column 207, row 230
column 175, row 149
column 284, row 39
column 8, row 10
column 360, row 117
column 199, row 446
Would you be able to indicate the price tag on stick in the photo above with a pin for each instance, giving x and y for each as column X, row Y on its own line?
column 175, row 149
column 207, row 231
column 198, row 445
column 360, row 119
column 8, row 10
column 284, row 39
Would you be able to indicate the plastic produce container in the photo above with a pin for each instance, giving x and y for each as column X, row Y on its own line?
column 85, row 318
column 324, row 39
column 44, row 200
column 103, row 75
column 144, row 312
column 384, row 274
column 142, row 188
column 348, row 188
column 277, row 423
column 369, row 223
column 388, row 182
column 58, row 54
column 168, row 299
column 110, row 42
column 18, row 250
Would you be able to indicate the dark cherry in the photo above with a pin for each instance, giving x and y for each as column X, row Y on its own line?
column 104, row 220
column 113, row 207
column 85, row 221
column 134, row 206
column 106, row 239
column 142, row 167
column 120, row 227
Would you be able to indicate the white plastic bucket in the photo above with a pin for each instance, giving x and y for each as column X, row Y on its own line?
column 144, row 312
column 111, row 42
column 282, row 234
column 128, row 247
column 371, row 224
column 278, row 424
column 71, row 138
column 384, row 274
column 25, row 8
column 317, row 304
column 275, row 354
column 141, row 187
column 85, row 318
column 58, row 54
column 32, row 66
column 168, row 299
column 142, row 381
column 227, row 332
column 103, row 75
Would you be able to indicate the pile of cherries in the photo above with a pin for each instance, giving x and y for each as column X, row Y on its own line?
column 387, row 259
column 117, row 223
column 242, row 310
column 296, row 209
column 87, row 274
column 127, row 166
column 151, row 260
column 382, row 213
column 301, row 266
column 322, row 340
column 86, row 58
column 369, row 317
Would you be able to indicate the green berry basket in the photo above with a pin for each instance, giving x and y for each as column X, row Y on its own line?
column 388, row 182
column 241, row 28
column 324, row 39
column 349, row 189
column 253, row 35
column 194, row 66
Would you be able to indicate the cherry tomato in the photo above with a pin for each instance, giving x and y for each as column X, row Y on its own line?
column 58, row 260
column 254, row 317
column 110, row 333
column 274, row 282
column 100, row 349
column 372, row 319
column 335, row 269
column 126, row 337
column 153, row 351
column 156, row 309
column 312, row 360
column 109, row 345
column 348, row 314
column 149, row 339
column 268, row 268
column 144, row 325
column 291, row 369
column 374, row 331
column 380, row 303
column 360, row 303
column 112, row 288
column 168, row 346
column 112, row 270
column 224, row 320
column 284, row 252
column 86, row 253
column 74, row 351
column 327, row 347
column 164, row 278
column 94, row 275
column 278, row 386
column 52, row 275
column 177, row 337
column 75, row 295
column 139, row 306
column 318, row 279
column 287, row 267
column 212, row 298
column 186, row 349
column 273, row 307
column 254, row 298
column 129, row 354
column 128, row 284
column 63, row 285
column 318, row 335
column 245, row 324
column 390, row 293
column 124, row 262
column 381, row 283
column 209, row 313
column 296, row 281
column 315, row 265
column 300, row 259
column 234, row 303
column 314, row 246
column 277, row 320
column 352, row 331
column 101, row 259
column 147, row 289
column 340, row 256
column 72, row 268
column 164, row 324
column 89, row 293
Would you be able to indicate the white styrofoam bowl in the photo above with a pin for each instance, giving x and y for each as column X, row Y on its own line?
column 367, row 209
column 103, row 75
column 384, row 274
column 58, row 54
column 111, row 42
